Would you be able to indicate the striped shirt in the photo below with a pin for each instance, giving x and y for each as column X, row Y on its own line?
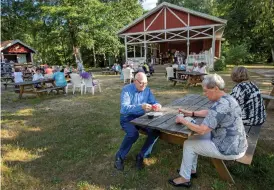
column 251, row 102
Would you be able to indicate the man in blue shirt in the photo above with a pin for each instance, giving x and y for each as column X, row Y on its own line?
column 136, row 99
column 59, row 78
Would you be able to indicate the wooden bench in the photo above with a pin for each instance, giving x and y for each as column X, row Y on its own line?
column 252, row 140
column 267, row 99
column 48, row 90
column 220, row 166
column 109, row 72
column 7, row 83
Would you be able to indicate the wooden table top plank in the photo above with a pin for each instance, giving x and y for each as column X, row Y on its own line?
column 166, row 122
column 169, row 124
column 191, row 73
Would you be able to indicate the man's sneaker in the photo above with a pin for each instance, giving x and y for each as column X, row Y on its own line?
column 139, row 162
column 119, row 163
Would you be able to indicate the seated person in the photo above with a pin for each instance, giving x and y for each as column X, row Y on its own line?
column 175, row 66
column 48, row 71
column 59, row 78
column 195, row 67
column 221, row 134
column 37, row 76
column 182, row 67
column 146, row 68
column 67, row 71
column 202, row 67
column 18, row 76
column 249, row 98
column 136, row 100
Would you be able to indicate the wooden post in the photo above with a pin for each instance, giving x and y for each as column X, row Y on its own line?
column 222, row 170
column 126, row 47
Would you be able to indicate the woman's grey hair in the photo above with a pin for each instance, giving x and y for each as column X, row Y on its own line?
column 213, row 80
column 239, row 74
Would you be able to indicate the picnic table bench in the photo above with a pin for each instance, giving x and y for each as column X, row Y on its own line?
column 29, row 87
column 172, row 132
column 10, row 80
column 190, row 77
column 109, row 72
column 269, row 97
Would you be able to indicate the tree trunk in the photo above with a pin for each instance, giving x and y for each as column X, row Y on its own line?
column 272, row 52
column 94, row 56
column 77, row 54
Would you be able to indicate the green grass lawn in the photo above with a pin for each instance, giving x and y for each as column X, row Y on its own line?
column 69, row 142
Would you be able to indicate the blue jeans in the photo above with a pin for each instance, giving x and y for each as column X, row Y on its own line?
column 132, row 134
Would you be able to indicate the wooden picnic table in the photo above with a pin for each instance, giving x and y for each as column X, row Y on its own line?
column 268, row 98
column 190, row 77
column 169, row 130
column 174, row 133
column 23, row 86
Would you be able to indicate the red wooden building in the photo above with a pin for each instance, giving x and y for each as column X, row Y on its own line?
column 16, row 51
column 172, row 27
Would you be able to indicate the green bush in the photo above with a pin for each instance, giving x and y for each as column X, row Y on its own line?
column 236, row 54
column 220, row 64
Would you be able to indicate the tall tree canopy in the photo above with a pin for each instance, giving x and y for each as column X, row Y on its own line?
column 249, row 22
column 61, row 29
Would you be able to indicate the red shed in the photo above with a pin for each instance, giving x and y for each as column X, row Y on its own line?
column 16, row 51
column 171, row 27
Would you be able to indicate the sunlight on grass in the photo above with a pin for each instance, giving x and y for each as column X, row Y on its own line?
column 8, row 134
column 17, row 154
column 84, row 185
column 150, row 161
column 24, row 112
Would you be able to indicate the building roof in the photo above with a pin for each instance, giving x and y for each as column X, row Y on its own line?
column 186, row 10
column 8, row 43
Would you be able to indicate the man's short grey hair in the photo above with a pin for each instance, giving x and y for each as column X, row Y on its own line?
column 213, row 80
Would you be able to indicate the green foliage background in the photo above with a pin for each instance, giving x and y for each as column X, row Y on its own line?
column 57, row 28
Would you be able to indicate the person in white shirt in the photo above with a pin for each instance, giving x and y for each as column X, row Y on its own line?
column 202, row 67
column 18, row 75
column 195, row 67
column 38, row 75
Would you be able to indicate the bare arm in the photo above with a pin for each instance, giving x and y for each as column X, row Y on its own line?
column 200, row 129
column 201, row 113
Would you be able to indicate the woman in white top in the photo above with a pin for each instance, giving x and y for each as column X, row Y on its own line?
column 195, row 67
column 18, row 75
column 38, row 75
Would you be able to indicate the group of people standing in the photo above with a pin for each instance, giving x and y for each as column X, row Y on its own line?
column 221, row 135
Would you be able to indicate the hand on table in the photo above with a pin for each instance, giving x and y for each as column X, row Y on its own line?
column 156, row 107
column 181, row 119
column 146, row 107
column 185, row 112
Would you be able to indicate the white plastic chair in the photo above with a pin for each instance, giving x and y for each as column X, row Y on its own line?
column 170, row 73
column 127, row 75
column 90, row 83
column 76, row 82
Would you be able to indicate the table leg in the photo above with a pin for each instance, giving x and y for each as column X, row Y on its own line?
column 174, row 83
column 272, row 92
column 222, row 170
column 21, row 91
